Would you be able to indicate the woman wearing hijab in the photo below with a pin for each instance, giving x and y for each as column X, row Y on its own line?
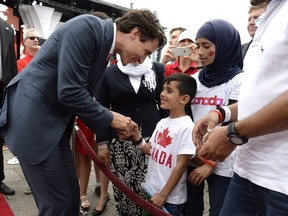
column 134, row 91
column 218, row 84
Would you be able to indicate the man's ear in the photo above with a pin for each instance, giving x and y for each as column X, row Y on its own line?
column 134, row 33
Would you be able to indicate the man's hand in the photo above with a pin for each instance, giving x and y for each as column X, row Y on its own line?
column 216, row 145
column 122, row 124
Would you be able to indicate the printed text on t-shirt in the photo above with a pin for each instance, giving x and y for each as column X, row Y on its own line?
column 210, row 101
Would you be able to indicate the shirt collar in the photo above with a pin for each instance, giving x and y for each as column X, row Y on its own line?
column 114, row 39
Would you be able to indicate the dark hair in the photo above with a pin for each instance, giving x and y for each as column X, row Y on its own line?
column 186, row 85
column 148, row 24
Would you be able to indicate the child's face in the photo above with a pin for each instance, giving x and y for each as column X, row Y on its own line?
column 206, row 51
column 170, row 96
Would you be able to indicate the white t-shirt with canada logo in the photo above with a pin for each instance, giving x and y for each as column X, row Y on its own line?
column 171, row 137
column 207, row 99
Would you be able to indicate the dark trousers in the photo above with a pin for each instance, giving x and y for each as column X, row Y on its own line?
column 2, row 175
column 54, row 182
column 217, row 186
column 244, row 198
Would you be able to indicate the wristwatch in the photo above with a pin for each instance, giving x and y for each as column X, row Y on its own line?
column 233, row 136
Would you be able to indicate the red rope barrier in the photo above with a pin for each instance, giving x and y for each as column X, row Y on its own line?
column 142, row 203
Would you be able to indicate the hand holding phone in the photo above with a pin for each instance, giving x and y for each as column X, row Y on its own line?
column 181, row 51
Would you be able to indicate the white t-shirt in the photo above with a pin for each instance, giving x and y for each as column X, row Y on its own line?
column 206, row 100
column 170, row 138
column 263, row 160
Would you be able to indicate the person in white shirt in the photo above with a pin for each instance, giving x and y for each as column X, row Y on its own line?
column 218, row 84
column 170, row 147
column 259, row 185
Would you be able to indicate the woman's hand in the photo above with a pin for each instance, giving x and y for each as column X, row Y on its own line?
column 200, row 174
column 104, row 154
column 203, row 126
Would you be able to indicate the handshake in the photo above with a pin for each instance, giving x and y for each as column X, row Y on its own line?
column 124, row 126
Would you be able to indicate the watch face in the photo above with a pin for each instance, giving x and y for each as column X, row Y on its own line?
column 236, row 140
column 233, row 136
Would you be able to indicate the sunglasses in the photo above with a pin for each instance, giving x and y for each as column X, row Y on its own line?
column 32, row 38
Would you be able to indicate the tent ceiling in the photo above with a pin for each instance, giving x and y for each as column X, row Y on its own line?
column 72, row 8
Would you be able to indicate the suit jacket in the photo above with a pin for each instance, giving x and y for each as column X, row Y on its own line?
column 117, row 93
column 8, row 58
column 58, row 84
column 245, row 48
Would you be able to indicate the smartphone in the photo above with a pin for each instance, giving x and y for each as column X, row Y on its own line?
column 181, row 51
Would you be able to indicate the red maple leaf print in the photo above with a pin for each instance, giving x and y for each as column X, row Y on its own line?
column 164, row 139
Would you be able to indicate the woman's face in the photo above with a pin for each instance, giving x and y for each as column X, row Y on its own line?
column 206, row 51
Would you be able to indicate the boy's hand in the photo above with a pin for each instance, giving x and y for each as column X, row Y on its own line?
column 135, row 134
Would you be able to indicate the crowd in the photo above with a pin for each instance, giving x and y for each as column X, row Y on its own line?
column 208, row 113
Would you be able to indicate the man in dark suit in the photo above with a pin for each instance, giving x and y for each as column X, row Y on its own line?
column 8, row 70
column 59, row 83
column 254, row 12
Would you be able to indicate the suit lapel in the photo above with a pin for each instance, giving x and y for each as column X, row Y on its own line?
column 99, row 66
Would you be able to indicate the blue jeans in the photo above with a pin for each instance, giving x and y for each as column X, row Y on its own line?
column 173, row 209
column 245, row 198
column 217, row 186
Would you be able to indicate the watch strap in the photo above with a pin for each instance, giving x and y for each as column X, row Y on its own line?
column 233, row 132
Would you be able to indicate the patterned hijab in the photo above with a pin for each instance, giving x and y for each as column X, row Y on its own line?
column 228, row 60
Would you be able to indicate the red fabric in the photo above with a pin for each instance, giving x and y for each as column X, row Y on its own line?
column 4, row 207
column 174, row 68
column 21, row 63
column 89, row 135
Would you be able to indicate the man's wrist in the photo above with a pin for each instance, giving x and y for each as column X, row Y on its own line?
column 234, row 136
column 241, row 129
